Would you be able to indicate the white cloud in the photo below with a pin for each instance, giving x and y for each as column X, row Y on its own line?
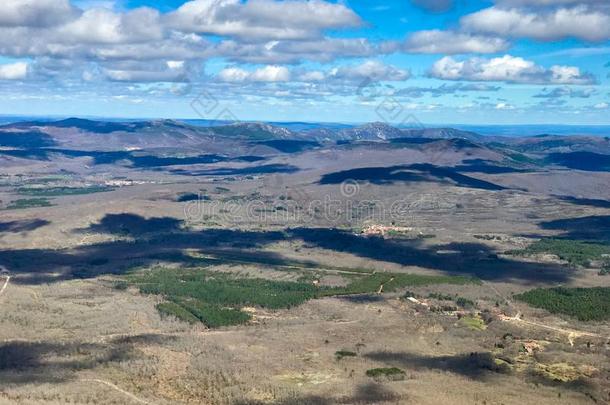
column 338, row 76
column 504, row 106
column 13, row 71
column 567, row 75
column 279, row 52
column 445, row 89
column 103, row 26
column 82, row 43
column 579, row 52
column 271, row 73
column 233, row 74
column 88, row 76
column 35, row 13
column 138, row 71
column 559, row 92
column 581, row 21
column 448, row 42
column 175, row 64
column 144, row 76
column 262, row 19
column 371, row 69
column 312, row 76
column 509, row 69
column 101, row 34
column 176, row 46
column 254, row 31
column 601, row 106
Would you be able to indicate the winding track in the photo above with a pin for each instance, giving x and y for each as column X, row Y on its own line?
column 8, row 278
column 114, row 387
column 572, row 334
column 106, row 383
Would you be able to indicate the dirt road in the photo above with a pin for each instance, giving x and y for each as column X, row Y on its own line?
column 116, row 388
column 8, row 278
column 518, row 318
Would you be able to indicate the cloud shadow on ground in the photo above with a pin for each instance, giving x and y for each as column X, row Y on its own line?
column 148, row 241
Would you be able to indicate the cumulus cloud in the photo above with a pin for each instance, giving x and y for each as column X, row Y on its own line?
column 570, row 75
column 448, row 42
column 580, row 21
column 372, row 69
column 504, row 106
column 135, row 71
column 175, row 46
column 353, row 74
column 233, row 74
column 261, row 20
column 312, row 76
column 269, row 74
column 81, row 43
column 489, row 30
column 103, row 26
column 508, row 69
column 279, row 52
column 36, row 13
column 269, row 32
column 169, row 75
column 444, row 89
column 559, row 92
column 97, row 34
column 13, row 71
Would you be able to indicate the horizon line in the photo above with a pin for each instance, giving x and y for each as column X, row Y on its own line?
column 429, row 124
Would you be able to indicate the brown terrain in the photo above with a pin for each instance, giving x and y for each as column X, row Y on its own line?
column 260, row 203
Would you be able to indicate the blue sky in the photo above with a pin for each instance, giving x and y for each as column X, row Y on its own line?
column 407, row 61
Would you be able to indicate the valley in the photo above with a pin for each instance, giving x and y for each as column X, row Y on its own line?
column 158, row 262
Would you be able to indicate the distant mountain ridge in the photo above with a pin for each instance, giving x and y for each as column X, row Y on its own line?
column 169, row 143
column 77, row 133
column 98, row 126
column 376, row 131
column 253, row 131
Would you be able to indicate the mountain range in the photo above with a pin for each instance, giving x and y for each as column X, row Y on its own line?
column 257, row 140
